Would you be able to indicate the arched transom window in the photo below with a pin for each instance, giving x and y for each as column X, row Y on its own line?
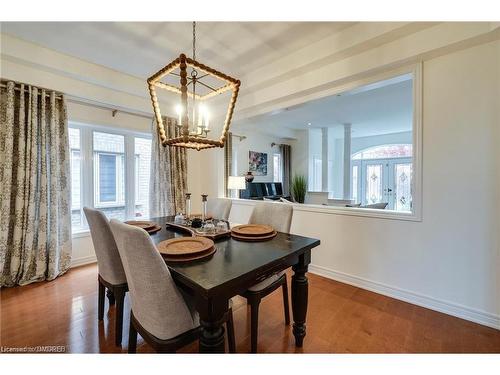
column 384, row 152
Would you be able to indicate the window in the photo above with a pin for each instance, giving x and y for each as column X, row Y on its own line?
column 386, row 175
column 277, row 174
column 359, row 143
column 75, row 167
column 384, row 151
column 109, row 171
column 109, row 174
column 142, row 149
column 355, row 183
column 370, row 153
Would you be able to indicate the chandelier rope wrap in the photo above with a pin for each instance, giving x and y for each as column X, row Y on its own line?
column 187, row 138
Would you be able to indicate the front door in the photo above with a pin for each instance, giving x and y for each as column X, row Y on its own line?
column 383, row 180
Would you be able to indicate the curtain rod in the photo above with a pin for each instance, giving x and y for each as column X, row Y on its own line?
column 89, row 103
column 241, row 137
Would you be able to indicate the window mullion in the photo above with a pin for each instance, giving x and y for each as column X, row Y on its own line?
column 87, row 195
column 129, row 176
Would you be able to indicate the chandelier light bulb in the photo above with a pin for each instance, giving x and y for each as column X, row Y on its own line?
column 178, row 110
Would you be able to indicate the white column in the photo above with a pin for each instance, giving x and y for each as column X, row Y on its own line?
column 347, row 161
column 324, row 159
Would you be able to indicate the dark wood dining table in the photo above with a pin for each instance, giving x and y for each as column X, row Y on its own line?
column 236, row 266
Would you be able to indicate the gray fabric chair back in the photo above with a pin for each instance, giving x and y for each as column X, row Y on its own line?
column 278, row 215
column 157, row 303
column 219, row 208
column 108, row 257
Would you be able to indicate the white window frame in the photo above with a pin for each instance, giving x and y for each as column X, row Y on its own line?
column 137, row 161
column 415, row 70
column 72, row 150
column 119, row 177
column 87, row 172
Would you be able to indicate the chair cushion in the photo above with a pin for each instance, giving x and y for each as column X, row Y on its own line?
column 265, row 283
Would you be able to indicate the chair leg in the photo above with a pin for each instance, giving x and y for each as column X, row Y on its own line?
column 120, row 297
column 111, row 297
column 100, row 300
column 284, row 288
column 230, row 332
column 132, row 337
column 254, row 323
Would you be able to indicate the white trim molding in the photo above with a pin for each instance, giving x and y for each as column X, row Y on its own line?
column 77, row 262
column 446, row 307
column 333, row 210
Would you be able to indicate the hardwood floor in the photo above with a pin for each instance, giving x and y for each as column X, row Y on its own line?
column 341, row 319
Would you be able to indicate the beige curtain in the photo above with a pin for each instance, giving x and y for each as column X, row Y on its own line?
column 286, row 161
column 228, row 161
column 35, row 218
column 168, row 181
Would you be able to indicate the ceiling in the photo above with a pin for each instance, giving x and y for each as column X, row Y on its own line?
column 141, row 48
column 381, row 108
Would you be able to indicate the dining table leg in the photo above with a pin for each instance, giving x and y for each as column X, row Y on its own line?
column 300, row 296
column 212, row 318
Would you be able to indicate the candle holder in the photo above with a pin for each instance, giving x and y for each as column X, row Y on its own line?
column 204, row 207
column 188, row 207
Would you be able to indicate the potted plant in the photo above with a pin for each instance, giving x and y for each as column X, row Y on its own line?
column 299, row 188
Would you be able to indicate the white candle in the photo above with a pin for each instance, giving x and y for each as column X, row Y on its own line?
column 200, row 116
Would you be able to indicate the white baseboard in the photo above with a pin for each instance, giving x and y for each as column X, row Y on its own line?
column 77, row 262
column 446, row 307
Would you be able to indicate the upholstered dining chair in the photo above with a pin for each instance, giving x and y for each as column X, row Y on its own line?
column 111, row 273
column 219, row 208
column 279, row 216
column 162, row 313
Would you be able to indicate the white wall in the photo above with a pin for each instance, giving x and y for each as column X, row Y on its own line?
column 361, row 143
column 100, row 116
column 449, row 261
column 300, row 147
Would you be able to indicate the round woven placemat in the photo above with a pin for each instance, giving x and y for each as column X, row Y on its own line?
column 255, row 238
column 190, row 258
column 185, row 246
column 253, row 230
column 141, row 224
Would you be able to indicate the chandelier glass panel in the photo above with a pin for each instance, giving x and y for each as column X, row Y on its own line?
column 196, row 83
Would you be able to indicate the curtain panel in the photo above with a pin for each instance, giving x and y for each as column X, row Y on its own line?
column 35, row 216
column 286, row 161
column 168, row 181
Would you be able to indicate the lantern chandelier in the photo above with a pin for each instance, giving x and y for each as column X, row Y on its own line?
column 193, row 117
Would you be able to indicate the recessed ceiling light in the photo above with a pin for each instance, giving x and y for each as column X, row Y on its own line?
column 309, row 124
